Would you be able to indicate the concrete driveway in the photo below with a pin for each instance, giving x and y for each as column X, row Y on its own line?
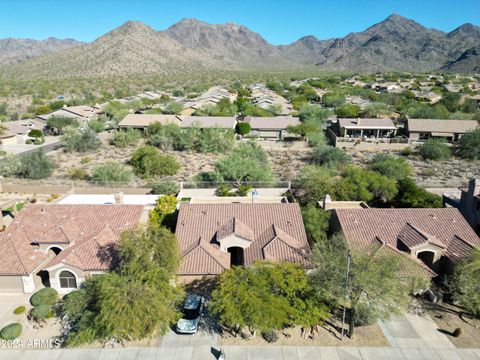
column 8, row 303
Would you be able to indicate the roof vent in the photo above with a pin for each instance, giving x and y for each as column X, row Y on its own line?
column 204, row 212
column 42, row 210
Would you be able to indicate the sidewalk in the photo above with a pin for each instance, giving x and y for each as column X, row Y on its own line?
column 245, row 353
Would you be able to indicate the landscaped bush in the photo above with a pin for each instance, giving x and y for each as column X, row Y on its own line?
column 19, row 310
column 434, row 149
column 364, row 315
column 77, row 174
column 270, row 336
column 166, row 188
column 112, row 171
column 148, row 162
column 45, row 296
column 42, row 312
column 243, row 128
column 124, row 138
column 11, row 332
column 330, row 156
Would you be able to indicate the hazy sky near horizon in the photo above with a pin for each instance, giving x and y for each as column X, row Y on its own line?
column 279, row 22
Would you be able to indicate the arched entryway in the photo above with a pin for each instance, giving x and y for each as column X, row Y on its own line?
column 67, row 280
column 44, row 277
column 236, row 256
column 55, row 250
column 427, row 257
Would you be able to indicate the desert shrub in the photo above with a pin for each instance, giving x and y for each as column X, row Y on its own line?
column 9, row 166
column 243, row 128
column 124, row 138
column 166, row 188
column 112, row 171
column 11, row 332
column 148, row 161
column 35, row 165
column 45, row 296
column 57, row 124
column 469, row 145
column 270, row 336
column 97, row 125
column 434, row 149
column 348, row 111
column 42, row 312
column 85, row 159
column 77, row 174
column 329, row 156
column 393, row 167
column 406, row 151
column 364, row 315
column 19, row 310
column 80, row 141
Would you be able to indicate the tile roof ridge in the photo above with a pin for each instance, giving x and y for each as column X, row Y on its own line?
column 16, row 253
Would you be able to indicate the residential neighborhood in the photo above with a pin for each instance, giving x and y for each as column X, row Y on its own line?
column 193, row 190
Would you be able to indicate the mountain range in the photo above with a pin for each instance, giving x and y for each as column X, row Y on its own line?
column 189, row 46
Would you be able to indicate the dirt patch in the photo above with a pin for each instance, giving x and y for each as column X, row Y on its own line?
column 328, row 335
column 285, row 164
column 449, row 317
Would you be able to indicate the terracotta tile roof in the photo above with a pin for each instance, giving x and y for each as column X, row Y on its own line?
column 276, row 230
column 87, row 230
column 459, row 249
column 411, row 236
column 236, row 227
column 361, row 227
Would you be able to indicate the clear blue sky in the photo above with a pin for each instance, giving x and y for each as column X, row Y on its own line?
column 278, row 21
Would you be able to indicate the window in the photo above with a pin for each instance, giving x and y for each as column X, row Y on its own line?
column 67, row 280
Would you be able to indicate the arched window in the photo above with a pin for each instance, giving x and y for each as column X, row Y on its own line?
column 67, row 280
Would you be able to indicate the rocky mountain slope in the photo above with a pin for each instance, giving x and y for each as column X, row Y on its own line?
column 15, row 50
column 192, row 46
column 396, row 43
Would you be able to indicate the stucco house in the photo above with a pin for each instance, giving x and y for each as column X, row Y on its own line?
column 434, row 239
column 214, row 237
column 365, row 127
column 141, row 121
column 272, row 128
column 451, row 130
column 16, row 132
column 83, row 113
column 59, row 246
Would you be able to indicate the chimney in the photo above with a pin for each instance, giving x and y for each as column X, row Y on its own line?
column 118, row 198
column 327, row 202
column 473, row 187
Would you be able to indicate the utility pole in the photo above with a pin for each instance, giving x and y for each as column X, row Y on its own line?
column 349, row 260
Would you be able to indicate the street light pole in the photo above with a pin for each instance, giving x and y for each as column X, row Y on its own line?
column 349, row 259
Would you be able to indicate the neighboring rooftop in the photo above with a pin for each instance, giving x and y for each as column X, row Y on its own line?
column 441, row 125
column 143, row 120
column 225, row 122
column 277, row 122
column 366, row 123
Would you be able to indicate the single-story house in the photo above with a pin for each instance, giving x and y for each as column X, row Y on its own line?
column 365, row 127
column 141, row 121
column 223, row 122
column 59, row 246
column 272, row 127
column 433, row 238
column 17, row 131
column 452, row 130
column 82, row 112
column 214, row 237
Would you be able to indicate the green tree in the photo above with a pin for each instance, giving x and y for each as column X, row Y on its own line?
column 434, row 149
column 329, row 156
column 333, row 100
column 112, row 171
column 316, row 222
column 465, row 284
column 348, row 111
column 35, row 165
column 373, row 280
column 148, row 161
column 165, row 205
column 313, row 183
column 173, row 107
column 412, row 196
column 247, row 162
column 396, row 168
column 469, row 145
column 147, row 259
column 265, row 297
column 9, row 165
column 166, row 188
column 57, row 124
column 80, row 141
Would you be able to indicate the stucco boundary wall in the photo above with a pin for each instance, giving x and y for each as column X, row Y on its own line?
column 7, row 187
